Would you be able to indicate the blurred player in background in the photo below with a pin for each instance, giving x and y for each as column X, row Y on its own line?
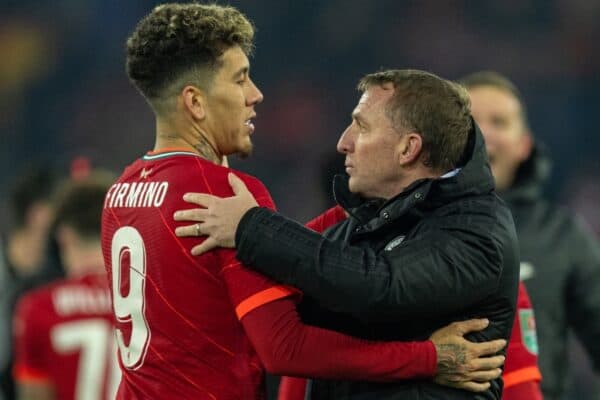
column 206, row 328
column 64, row 336
column 22, row 254
column 560, row 258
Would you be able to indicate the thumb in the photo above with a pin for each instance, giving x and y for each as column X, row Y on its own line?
column 471, row 325
column 236, row 184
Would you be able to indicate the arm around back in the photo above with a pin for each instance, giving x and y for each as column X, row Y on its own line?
column 288, row 347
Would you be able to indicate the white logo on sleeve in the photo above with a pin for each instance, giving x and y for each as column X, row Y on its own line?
column 394, row 243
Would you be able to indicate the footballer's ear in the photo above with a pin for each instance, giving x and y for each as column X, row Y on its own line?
column 194, row 101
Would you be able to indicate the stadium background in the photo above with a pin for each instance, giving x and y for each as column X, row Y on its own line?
column 64, row 93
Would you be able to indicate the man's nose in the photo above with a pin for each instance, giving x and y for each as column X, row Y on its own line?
column 345, row 143
column 256, row 95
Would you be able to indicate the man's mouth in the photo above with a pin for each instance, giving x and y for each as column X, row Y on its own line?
column 250, row 124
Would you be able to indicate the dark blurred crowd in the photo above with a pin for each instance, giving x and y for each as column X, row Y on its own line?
column 63, row 90
column 64, row 94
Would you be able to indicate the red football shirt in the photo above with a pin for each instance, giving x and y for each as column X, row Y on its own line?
column 178, row 326
column 521, row 355
column 64, row 338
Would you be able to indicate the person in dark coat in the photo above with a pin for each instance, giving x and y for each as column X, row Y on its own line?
column 427, row 241
column 560, row 256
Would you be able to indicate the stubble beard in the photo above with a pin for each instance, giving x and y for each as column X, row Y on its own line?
column 246, row 152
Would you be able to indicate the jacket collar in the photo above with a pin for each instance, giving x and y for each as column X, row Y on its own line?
column 531, row 177
column 474, row 177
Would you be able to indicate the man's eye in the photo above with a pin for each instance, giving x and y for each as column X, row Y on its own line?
column 499, row 122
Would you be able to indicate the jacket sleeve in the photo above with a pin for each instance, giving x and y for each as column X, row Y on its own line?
column 583, row 291
column 440, row 272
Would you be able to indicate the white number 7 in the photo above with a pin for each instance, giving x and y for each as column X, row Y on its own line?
column 130, row 307
column 93, row 338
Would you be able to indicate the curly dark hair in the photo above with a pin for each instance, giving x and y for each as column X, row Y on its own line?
column 179, row 44
column 438, row 109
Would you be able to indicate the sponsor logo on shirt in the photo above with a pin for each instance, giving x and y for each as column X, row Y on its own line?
column 145, row 173
column 394, row 243
column 528, row 333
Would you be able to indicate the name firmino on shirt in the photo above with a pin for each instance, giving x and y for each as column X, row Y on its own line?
column 137, row 194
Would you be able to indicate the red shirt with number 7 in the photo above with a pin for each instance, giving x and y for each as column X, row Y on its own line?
column 64, row 339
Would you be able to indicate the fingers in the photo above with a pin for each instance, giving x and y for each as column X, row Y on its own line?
column 194, row 214
column 236, row 184
column 464, row 383
column 205, row 246
column 476, row 376
column 486, row 363
column 486, row 348
column 473, row 386
column 471, row 325
column 485, row 376
column 189, row 231
column 201, row 199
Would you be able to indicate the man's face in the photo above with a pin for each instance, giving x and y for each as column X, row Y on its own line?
column 508, row 144
column 230, row 104
column 371, row 145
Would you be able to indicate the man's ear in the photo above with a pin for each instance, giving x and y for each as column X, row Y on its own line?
column 194, row 101
column 410, row 148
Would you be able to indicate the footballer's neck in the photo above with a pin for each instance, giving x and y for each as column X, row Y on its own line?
column 173, row 133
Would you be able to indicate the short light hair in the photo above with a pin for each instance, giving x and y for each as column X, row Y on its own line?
column 498, row 81
column 438, row 109
column 180, row 44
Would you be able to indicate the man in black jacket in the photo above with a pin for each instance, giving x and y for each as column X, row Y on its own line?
column 428, row 242
column 560, row 259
